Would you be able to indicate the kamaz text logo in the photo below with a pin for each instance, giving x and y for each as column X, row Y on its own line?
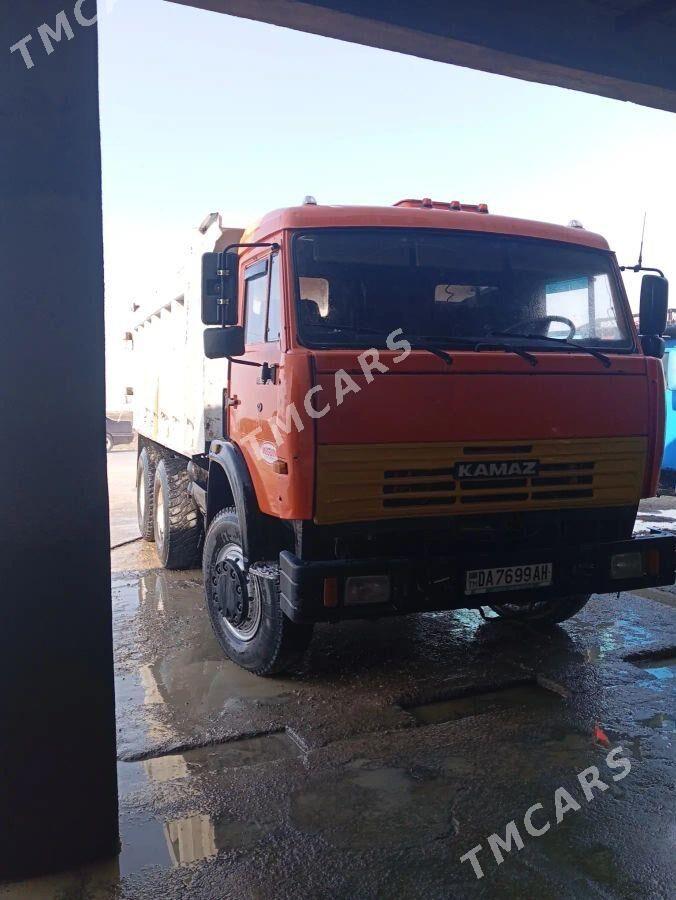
column 510, row 468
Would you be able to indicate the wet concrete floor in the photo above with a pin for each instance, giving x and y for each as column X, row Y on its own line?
column 399, row 746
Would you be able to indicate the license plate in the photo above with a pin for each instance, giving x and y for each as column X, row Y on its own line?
column 508, row 578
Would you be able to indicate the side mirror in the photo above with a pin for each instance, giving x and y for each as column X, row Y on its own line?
column 654, row 302
column 652, row 319
column 220, row 272
column 222, row 342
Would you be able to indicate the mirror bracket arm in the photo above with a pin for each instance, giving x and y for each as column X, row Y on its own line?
column 243, row 362
column 642, row 269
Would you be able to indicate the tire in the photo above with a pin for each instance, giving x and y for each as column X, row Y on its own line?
column 145, row 487
column 543, row 613
column 177, row 520
column 267, row 642
column 109, row 443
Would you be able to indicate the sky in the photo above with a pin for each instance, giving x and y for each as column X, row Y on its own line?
column 203, row 112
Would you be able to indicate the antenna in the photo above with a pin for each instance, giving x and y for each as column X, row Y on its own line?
column 639, row 267
column 640, row 252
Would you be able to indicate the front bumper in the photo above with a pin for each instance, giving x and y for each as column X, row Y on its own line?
column 419, row 585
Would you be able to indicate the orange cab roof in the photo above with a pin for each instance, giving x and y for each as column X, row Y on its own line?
column 319, row 216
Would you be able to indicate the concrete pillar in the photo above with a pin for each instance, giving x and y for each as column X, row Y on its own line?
column 58, row 796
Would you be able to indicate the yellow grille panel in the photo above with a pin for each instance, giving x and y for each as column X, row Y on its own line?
column 357, row 482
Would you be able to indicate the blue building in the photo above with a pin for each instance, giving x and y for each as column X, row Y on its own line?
column 668, row 473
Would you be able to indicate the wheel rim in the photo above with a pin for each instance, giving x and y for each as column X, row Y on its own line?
column 159, row 518
column 247, row 630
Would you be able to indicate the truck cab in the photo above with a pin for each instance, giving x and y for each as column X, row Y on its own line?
column 424, row 407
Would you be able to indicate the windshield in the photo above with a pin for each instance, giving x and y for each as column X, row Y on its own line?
column 354, row 285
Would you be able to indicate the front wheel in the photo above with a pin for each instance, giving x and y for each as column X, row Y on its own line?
column 542, row 613
column 244, row 612
column 109, row 443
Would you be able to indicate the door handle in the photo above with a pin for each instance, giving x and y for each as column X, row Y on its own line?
column 268, row 374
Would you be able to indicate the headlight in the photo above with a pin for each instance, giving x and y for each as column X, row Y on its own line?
column 626, row 565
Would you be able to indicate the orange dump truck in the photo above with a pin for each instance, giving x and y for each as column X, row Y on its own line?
column 399, row 409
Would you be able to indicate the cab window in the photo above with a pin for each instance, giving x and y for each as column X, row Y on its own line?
column 275, row 301
column 263, row 299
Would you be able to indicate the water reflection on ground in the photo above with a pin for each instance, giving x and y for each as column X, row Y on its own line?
column 199, row 736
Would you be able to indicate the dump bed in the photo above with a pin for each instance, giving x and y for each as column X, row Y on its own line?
column 178, row 393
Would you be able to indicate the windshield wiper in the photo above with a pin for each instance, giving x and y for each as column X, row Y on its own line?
column 508, row 348
column 564, row 342
column 435, row 351
column 478, row 344
column 415, row 344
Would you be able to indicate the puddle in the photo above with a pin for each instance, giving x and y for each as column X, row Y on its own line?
column 213, row 759
column 660, row 722
column 662, row 672
column 660, row 665
column 196, row 672
column 179, row 842
column 595, row 871
column 137, row 702
column 622, row 634
column 189, row 690
column 125, row 598
column 212, row 683
column 375, row 807
column 470, row 618
column 527, row 696
column 144, row 845
column 563, row 742
column 593, row 654
column 187, row 684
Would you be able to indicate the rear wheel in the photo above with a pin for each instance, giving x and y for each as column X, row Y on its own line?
column 145, row 486
column 542, row 612
column 245, row 613
column 109, row 443
column 177, row 520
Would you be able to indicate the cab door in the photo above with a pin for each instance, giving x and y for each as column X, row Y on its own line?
column 255, row 377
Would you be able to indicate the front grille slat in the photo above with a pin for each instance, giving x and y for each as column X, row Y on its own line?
column 573, row 479
column 424, row 486
column 563, row 495
column 417, row 473
column 398, row 502
column 357, row 482
column 493, row 485
column 494, row 498
column 566, row 467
